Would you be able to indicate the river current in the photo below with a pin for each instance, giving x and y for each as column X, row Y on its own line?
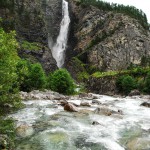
column 48, row 127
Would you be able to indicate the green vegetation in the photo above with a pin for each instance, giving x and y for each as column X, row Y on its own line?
column 127, row 80
column 30, row 76
column 8, row 75
column 128, row 10
column 126, row 83
column 82, row 76
column 147, row 83
column 61, row 81
column 30, row 46
column 36, row 77
column 7, row 128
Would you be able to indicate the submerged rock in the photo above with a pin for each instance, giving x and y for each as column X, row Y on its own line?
column 106, row 111
column 85, row 104
column 103, row 111
column 96, row 102
column 139, row 144
column 24, row 131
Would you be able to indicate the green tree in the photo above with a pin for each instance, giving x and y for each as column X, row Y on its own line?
column 23, row 73
column 36, row 78
column 62, row 82
column 8, row 62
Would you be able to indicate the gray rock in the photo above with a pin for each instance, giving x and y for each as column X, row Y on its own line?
column 134, row 93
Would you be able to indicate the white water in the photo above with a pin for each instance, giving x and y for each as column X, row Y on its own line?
column 58, row 50
column 60, row 130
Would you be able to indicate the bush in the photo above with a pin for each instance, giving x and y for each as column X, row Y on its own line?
column 61, row 81
column 36, row 78
column 23, row 73
column 147, row 83
column 126, row 83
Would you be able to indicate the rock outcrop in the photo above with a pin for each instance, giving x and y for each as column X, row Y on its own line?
column 34, row 21
column 109, row 40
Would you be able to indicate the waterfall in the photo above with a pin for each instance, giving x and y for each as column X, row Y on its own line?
column 58, row 50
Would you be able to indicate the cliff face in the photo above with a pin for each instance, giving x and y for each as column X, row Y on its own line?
column 108, row 40
column 100, row 39
column 34, row 21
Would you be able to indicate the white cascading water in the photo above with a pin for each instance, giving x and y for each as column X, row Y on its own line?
column 58, row 50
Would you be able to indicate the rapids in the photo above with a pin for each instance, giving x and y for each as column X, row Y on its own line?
column 55, row 129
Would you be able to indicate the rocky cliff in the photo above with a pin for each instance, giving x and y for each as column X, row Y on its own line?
column 34, row 21
column 107, row 40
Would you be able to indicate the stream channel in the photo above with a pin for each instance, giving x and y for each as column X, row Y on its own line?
column 44, row 125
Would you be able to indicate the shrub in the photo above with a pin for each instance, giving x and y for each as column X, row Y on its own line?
column 126, row 83
column 62, row 82
column 36, row 78
column 147, row 83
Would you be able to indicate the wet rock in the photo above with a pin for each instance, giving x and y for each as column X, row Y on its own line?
column 95, row 123
column 41, row 95
column 85, row 104
column 83, row 95
column 24, row 130
column 103, row 111
column 63, row 102
column 146, row 104
column 70, row 107
column 134, row 93
column 139, row 144
column 85, row 111
column 94, row 101
column 117, row 116
column 75, row 104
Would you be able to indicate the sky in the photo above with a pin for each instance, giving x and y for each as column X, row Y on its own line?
column 144, row 5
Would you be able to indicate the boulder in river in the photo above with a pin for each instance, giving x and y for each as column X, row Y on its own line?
column 95, row 123
column 85, row 104
column 70, row 107
column 94, row 101
column 134, row 93
column 103, row 111
column 146, row 104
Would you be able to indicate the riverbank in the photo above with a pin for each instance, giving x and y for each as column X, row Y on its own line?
column 96, row 121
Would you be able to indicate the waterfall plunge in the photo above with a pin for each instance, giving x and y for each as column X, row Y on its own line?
column 58, row 50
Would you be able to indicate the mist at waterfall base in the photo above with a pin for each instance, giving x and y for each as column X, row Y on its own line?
column 58, row 50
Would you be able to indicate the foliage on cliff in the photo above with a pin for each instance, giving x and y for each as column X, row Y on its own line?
column 127, row 80
column 128, row 10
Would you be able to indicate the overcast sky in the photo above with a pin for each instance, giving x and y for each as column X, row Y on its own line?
column 144, row 5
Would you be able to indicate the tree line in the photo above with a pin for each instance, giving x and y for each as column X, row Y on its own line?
column 119, row 8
